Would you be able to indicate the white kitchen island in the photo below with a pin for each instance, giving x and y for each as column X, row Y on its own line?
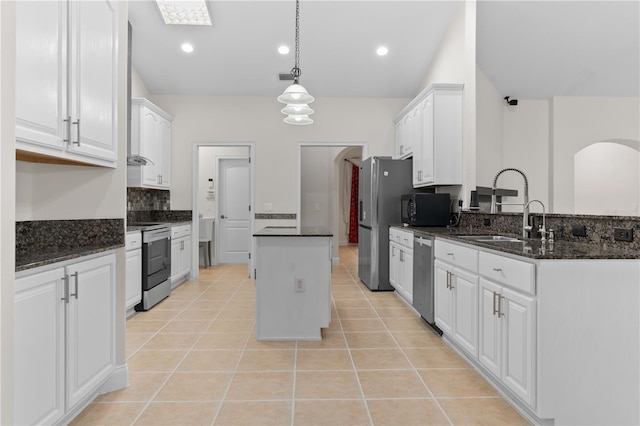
column 293, row 283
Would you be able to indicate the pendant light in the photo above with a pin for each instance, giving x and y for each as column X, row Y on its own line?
column 296, row 96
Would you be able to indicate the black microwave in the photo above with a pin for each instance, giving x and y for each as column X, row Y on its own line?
column 420, row 209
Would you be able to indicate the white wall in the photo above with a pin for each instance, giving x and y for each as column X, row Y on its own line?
column 607, row 179
column 316, row 185
column 582, row 121
column 258, row 119
column 138, row 88
column 489, row 110
column 526, row 147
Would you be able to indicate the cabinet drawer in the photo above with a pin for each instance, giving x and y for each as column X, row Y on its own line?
column 133, row 240
column 510, row 272
column 463, row 257
column 401, row 237
column 180, row 231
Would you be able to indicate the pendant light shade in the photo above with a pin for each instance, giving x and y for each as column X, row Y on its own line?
column 295, row 94
column 295, row 109
column 298, row 120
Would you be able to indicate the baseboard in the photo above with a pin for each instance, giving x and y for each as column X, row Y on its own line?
column 119, row 379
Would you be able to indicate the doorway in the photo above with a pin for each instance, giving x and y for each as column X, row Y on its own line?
column 321, row 186
column 223, row 184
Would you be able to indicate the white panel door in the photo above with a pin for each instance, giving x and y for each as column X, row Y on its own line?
column 443, row 297
column 518, row 343
column 490, row 339
column 39, row 349
column 93, row 78
column 90, row 325
column 149, row 147
column 134, row 278
column 466, row 310
column 234, row 210
column 41, row 73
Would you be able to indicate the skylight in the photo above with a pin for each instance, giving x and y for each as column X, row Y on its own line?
column 184, row 12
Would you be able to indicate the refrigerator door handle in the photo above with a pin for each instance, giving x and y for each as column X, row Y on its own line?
column 361, row 212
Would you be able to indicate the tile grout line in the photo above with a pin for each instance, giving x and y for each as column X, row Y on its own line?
column 408, row 360
column 235, row 370
column 186, row 352
column 353, row 364
column 293, row 395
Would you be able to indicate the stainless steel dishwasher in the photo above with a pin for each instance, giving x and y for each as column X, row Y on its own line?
column 423, row 289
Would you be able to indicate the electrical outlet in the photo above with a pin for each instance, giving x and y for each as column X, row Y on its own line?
column 578, row 230
column 299, row 285
column 623, row 234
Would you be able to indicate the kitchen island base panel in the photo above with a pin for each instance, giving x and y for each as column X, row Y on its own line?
column 293, row 287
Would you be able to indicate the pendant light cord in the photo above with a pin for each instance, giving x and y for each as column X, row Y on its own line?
column 295, row 71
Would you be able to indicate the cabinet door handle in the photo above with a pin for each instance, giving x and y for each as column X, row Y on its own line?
column 500, row 313
column 75, row 275
column 67, row 122
column 497, row 269
column 65, row 296
column 181, row 245
column 77, row 122
column 495, row 311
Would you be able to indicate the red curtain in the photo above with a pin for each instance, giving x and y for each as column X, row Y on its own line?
column 353, row 209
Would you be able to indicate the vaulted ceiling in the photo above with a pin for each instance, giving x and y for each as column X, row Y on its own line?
column 528, row 49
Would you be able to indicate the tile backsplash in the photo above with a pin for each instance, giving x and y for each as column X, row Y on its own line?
column 145, row 199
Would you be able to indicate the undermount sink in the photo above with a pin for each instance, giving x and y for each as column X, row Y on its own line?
column 488, row 238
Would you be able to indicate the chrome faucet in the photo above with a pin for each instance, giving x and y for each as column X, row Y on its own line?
column 541, row 229
column 525, row 199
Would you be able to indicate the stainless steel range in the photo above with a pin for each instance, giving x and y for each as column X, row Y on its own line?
column 156, row 264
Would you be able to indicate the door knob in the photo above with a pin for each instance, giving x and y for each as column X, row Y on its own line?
column 221, row 216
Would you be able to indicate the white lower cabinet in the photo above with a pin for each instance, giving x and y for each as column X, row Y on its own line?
column 456, row 301
column 180, row 253
column 65, row 337
column 507, row 337
column 401, row 262
column 133, row 243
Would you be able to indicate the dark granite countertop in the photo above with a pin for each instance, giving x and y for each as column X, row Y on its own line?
column 530, row 247
column 55, row 255
column 293, row 231
column 40, row 243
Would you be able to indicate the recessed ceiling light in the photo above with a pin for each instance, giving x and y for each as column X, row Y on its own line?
column 187, row 47
column 184, row 12
column 283, row 50
column 381, row 51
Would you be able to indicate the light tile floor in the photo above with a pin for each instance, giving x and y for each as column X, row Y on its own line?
column 194, row 360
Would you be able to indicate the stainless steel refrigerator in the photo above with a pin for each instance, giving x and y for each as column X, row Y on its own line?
column 382, row 180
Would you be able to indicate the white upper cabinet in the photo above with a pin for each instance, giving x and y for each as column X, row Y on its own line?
column 66, row 82
column 431, row 125
column 150, row 138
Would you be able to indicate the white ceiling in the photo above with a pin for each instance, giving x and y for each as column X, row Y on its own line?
column 529, row 49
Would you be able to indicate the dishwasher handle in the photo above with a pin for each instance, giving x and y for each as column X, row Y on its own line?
column 423, row 241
